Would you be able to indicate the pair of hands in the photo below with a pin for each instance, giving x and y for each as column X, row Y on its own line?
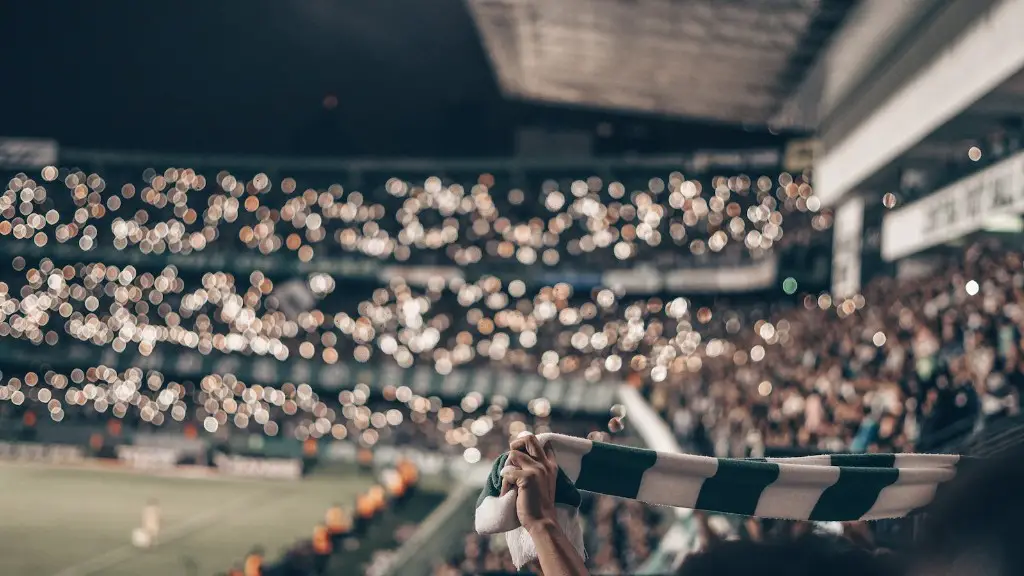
column 532, row 470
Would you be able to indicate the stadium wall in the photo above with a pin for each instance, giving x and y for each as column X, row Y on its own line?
column 956, row 210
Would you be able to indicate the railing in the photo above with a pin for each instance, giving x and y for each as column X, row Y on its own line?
column 682, row 537
column 708, row 160
column 439, row 534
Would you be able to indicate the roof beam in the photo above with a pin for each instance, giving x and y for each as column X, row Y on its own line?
column 871, row 32
column 974, row 63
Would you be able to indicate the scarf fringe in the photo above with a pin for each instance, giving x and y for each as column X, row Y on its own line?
column 524, row 551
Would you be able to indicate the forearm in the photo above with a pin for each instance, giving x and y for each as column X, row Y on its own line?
column 556, row 555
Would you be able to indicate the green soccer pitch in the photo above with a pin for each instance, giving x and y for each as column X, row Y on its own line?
column 79, row 522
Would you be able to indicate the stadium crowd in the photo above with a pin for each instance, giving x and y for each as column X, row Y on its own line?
column 886, row 370
column 879, row 372
column 514, row 217
column 492, row 314
column 869, row 373
column 898, row 368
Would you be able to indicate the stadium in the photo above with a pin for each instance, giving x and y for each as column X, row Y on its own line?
column 292, row 289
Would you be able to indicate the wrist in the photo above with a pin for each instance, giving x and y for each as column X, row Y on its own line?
column 541, row 526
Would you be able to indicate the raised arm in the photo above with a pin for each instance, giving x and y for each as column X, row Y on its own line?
column 532, row 469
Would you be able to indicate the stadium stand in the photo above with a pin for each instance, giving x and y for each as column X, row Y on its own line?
column 891, row 369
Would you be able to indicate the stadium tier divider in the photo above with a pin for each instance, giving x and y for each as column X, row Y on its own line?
column 440, row 534
column 699, row 161
column 380, row 533
column 682, row 537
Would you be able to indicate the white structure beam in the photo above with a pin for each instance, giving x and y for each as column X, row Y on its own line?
column 988, row 52
column 869, row 34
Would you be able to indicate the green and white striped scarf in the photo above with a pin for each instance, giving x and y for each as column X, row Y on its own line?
column 835, row 487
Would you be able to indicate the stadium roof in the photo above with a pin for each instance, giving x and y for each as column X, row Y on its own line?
column 728, row 60
column 397, row 69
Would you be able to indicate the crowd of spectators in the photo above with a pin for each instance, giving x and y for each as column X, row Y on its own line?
column 886, row 370
column 445, row 323
column 897, row 368
column 516, row 217
column 882, row 371
column 496, row 315
column 472, row 430
column 872, row 372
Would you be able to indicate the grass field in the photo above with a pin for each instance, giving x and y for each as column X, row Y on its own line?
column 78, row 522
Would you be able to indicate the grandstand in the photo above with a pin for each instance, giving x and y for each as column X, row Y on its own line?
column 307, row 364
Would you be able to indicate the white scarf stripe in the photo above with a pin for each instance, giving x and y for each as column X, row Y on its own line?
column 796, row 492
column 905, row 461
column 895, row 500
column 818, row 460
column 911, row 490
column 674, row 483
column 571, row 460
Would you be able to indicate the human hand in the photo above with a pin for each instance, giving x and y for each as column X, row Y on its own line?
column 531, row 468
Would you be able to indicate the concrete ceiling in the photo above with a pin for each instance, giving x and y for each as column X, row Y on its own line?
column 725, row 60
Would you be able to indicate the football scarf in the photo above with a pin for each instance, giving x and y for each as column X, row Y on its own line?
column 834, row 487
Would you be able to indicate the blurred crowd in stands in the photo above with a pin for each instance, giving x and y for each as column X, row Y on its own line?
column 870, row 373
column 887, row 370
column 891, row 369
column 517, row 216
column 447, row 317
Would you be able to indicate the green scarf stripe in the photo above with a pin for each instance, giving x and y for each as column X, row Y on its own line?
column 493, row 486
column 565, row 492
column 737, row 486
column 615, row 470
column 853, row 494
column 864, row 460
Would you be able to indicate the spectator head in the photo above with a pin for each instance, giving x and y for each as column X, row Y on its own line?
column 811, row 554
column 975, row 519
